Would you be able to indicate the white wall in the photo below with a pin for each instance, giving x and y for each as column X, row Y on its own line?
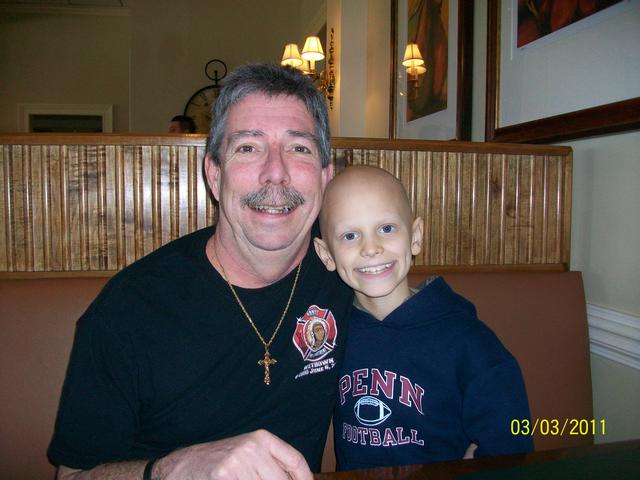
column 616, row 396
column 606, row 219
column 362, row 37
column 605, row 246
column 378, row 61
column 605, row 240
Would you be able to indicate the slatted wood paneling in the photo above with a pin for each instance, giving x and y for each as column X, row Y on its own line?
column 74, row 203
column 483, row 205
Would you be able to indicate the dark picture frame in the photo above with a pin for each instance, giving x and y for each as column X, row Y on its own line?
column 598, row 120
column 464, row 67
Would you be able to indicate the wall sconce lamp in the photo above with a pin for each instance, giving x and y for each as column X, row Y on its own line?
column 306, row 62
column 415, row 64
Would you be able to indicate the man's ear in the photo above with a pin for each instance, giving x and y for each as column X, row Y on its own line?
column 417, row 231
column 323, row 252
column 327, row 174
column 212, row 174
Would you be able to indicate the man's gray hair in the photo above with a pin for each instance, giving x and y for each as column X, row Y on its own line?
column 271, row 80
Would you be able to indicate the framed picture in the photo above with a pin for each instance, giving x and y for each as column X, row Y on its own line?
column 83, row 118
column 435, row 105
column 580, row 80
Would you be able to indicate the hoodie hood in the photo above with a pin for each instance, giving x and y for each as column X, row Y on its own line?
column 436, row 297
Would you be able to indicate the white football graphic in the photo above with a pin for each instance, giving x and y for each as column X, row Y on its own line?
column 371, row 411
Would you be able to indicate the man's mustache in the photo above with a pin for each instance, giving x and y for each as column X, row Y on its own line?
column 271, row 195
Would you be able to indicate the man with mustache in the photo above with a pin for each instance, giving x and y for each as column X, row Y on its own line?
column 192, row 362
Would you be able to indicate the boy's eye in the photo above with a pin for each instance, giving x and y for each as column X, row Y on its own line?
column 389, row 228
column 349, row 236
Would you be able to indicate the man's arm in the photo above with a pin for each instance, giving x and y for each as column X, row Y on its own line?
column 108, row 471
column 254, row 455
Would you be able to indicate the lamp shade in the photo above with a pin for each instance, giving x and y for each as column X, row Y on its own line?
column 415, row 71
column 291, row 56
column 412, row 56
column 312, row 49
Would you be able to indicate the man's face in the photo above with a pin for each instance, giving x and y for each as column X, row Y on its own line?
column 318, row 332
column 371, row 237
column 269, row 182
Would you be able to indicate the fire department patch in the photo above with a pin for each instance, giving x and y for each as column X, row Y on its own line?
column 315, row 334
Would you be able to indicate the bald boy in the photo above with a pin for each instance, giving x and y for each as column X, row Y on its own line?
column 423, row 377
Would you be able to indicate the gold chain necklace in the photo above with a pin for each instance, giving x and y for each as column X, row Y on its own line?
column 268, row 360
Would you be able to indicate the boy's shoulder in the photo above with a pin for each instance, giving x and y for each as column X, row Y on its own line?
column 434, row 301
column 451, row 317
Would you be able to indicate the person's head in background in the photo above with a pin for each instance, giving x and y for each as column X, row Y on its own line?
column 182, row 124
column 369, row 236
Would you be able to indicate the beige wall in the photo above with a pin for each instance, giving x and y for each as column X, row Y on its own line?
column 148, row 63
column 172, row 41
column 63, row 59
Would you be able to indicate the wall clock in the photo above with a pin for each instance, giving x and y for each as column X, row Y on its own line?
column 199, row 105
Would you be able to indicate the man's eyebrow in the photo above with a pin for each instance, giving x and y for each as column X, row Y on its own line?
column 300, row 133
column 260, row 133
column 244, row 133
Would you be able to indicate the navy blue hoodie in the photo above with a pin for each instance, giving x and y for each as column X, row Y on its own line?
column 424, row 383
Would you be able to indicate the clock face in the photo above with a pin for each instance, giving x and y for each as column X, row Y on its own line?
column 199, row 107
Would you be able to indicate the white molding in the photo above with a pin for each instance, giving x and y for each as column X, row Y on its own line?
column 103, row 110
column 614, row 335
column 65, row 10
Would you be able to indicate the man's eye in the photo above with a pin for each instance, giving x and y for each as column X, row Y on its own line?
column 301, row 149
column 389, row 228
column 246, row 149
column 349, row 236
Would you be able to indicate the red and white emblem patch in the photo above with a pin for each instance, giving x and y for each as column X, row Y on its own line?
column 315, row 334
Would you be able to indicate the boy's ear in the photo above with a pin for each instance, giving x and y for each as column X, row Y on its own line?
column 417, row 230
column 323, row 252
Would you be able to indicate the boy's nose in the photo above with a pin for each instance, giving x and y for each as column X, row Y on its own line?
column 371, row 247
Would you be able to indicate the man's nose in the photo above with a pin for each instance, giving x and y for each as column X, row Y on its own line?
column 275, row 169
column 371, row 247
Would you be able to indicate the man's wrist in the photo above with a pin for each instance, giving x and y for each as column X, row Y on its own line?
column 148, row 469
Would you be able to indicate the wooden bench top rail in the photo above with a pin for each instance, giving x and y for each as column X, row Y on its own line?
column 199, row 140
column 94, row 203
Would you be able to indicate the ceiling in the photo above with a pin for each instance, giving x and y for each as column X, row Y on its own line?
column 66, row 3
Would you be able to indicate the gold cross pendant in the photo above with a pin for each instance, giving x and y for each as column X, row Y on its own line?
column 266, row 362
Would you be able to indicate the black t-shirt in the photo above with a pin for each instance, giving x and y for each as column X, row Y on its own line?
column 164, row 358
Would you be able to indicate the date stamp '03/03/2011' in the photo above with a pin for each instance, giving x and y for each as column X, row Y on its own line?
column 558, row 426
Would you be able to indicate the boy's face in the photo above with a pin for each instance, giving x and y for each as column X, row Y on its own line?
column 369, row 235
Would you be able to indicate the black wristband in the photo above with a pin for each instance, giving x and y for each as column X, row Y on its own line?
column 147, row 469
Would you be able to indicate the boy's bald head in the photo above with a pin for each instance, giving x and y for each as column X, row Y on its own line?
column 369, row 236
column 359, row 180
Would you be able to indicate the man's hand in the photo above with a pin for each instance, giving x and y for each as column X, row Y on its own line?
column 251, row 456
column 255, row 455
